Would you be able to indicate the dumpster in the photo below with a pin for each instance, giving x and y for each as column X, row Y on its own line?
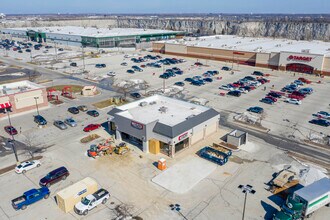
column 68, row 197
column 213, row 155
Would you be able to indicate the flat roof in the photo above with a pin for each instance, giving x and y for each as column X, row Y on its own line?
column 314, row 190
column 175, row 111
column 250, row 44
column 17, row 87
column 95, row 32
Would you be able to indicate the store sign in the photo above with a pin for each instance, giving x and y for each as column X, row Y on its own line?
column 183, row 136
column 300, row 58
column 137, row 125
column 238, row 53
column 81, row 192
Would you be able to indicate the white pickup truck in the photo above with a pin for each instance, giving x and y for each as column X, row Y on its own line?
column 91, row 201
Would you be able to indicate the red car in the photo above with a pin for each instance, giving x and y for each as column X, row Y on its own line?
column 10, row 130
column 298, row 94
column 91, row 127
column 236, row 85
column 272, row 98
column 292, row 96
column 304, row 80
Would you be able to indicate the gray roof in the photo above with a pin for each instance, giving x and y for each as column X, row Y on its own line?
column 186, row 125
column 314, row 190
column 113, row 111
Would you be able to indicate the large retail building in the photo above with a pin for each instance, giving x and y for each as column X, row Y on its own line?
column 311, row 57
column 160, row 124
column 90, row 36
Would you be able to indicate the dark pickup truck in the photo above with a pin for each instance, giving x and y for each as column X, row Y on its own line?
column 30, row 197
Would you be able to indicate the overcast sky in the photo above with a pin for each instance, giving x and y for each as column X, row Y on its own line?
column 164, row 6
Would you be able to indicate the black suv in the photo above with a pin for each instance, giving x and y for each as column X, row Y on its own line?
column 40, row 120
column 235, row 93
column 93, row 113
column 73, row 110
column 54, row 176
column 135, row 95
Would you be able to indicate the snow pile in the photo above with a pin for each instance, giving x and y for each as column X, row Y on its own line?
column 248, row 118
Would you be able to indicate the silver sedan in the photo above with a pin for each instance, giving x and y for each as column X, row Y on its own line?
column 71, row 122
column 60, row 124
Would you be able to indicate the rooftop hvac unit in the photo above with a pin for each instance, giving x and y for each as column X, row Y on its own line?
column 217, row 37
column 278, row 45
column 190, row 116
column 163, row 109
column 328, row 49
column 305, row 50
column 142, row 104
column 238, row 42
column 153, row 103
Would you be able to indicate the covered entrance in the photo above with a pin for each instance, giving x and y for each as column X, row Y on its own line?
column 132, row 140
column 165, row 148
column 300, row 68
column 181, row 145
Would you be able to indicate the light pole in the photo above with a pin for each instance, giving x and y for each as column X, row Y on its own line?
column 246, row 189
column 177, row 207
column 12, row 137
column 83, row 56
column 36, row 98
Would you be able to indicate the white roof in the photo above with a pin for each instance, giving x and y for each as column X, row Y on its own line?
column 249, row 44
column 16, row 87
column 177, row 110
column 95, row 32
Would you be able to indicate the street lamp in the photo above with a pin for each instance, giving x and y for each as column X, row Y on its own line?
column 246, row 189
column 12, row 137
column 177, row 208
column 36, row 98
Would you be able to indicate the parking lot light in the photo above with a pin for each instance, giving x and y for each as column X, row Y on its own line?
column 246, row 189
column 12, row 138
column 36, row 98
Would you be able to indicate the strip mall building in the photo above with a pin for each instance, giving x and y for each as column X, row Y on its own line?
column 312, row 57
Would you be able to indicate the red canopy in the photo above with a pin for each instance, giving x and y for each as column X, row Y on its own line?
column 5, row 105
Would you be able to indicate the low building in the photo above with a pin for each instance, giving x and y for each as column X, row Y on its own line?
column 312, row 57
column 91, row 36
column 21, row 96
column 89, row 91
column 163, row 124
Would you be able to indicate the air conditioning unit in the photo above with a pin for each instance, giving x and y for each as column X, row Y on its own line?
column 142, row 104
column 153, row 103
column 163, row 109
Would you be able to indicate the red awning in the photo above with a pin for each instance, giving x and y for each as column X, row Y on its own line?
column 5, row 105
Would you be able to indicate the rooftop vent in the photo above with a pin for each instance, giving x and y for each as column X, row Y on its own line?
column 190, row 116
column 305, row 50
column 238, row 42
column 217, row 37
column 153, row 103
column 142, row 104
column 163, row 109
column 278, row 45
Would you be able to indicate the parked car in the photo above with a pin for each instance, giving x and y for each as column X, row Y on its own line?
column 30, row 197
column 267, row 101
column 272, row 98
column 40, row 120
column 197, row 82
column 306, row 90
column 251, row 78
column 135, row 95
column 188, row 79
column 73, row 64
column 27, row 165
column 198, row 64
column 208, row 80
column 54, row 176
column 73, row 110
column 274, row 94
column 179, row 83
column 89, row 202
column 176, row 69
column 60, row 49
column 93, row 113
column 28, row 50
column 178, row 72
column 111, row 73
column 320, row 122
column 130, row 71
column 226, row 87
column 71, row 122
column 124, row 64
column 298, row 82
column 10, row 130
column 293, row 101
column 304, row 80
column 256, row 109
column 164, row 76
column 82, row 108
column 323, row 114
column 60, row 124
column 234, row 93
column 100, row 65
column 226, row 68
column 136, row 68
column 91, row 127
column 257, row 73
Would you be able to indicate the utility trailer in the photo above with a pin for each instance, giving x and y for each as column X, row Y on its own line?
column 213, row 155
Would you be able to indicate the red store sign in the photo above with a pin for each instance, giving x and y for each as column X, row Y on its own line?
column 183, row 136
column 136, row 125
column 300, row 58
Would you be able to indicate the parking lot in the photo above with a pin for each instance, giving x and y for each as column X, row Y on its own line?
column 128, row 177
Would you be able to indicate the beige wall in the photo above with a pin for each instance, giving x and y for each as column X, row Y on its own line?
column 262, row 58
column 23, row 100
column 157, row 47
column 176, row 48
column 4, row 99
column 326, row 64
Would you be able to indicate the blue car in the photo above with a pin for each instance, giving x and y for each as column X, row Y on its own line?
column 256, row 109
column 208, row 80
column 179, row 83
column 188, row 79
column 197, row 83
column 267, row 101
column 40, row 120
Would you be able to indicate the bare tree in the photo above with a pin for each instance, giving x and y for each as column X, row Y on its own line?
column 123, row 211
column 32, row 145
column 33, row 75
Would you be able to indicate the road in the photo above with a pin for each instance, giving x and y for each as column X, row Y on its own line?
column 280, row 142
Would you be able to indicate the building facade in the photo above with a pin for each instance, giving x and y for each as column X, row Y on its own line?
column 277, row 54
column 159, row 124
column 21, row 96
column 91, row 37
